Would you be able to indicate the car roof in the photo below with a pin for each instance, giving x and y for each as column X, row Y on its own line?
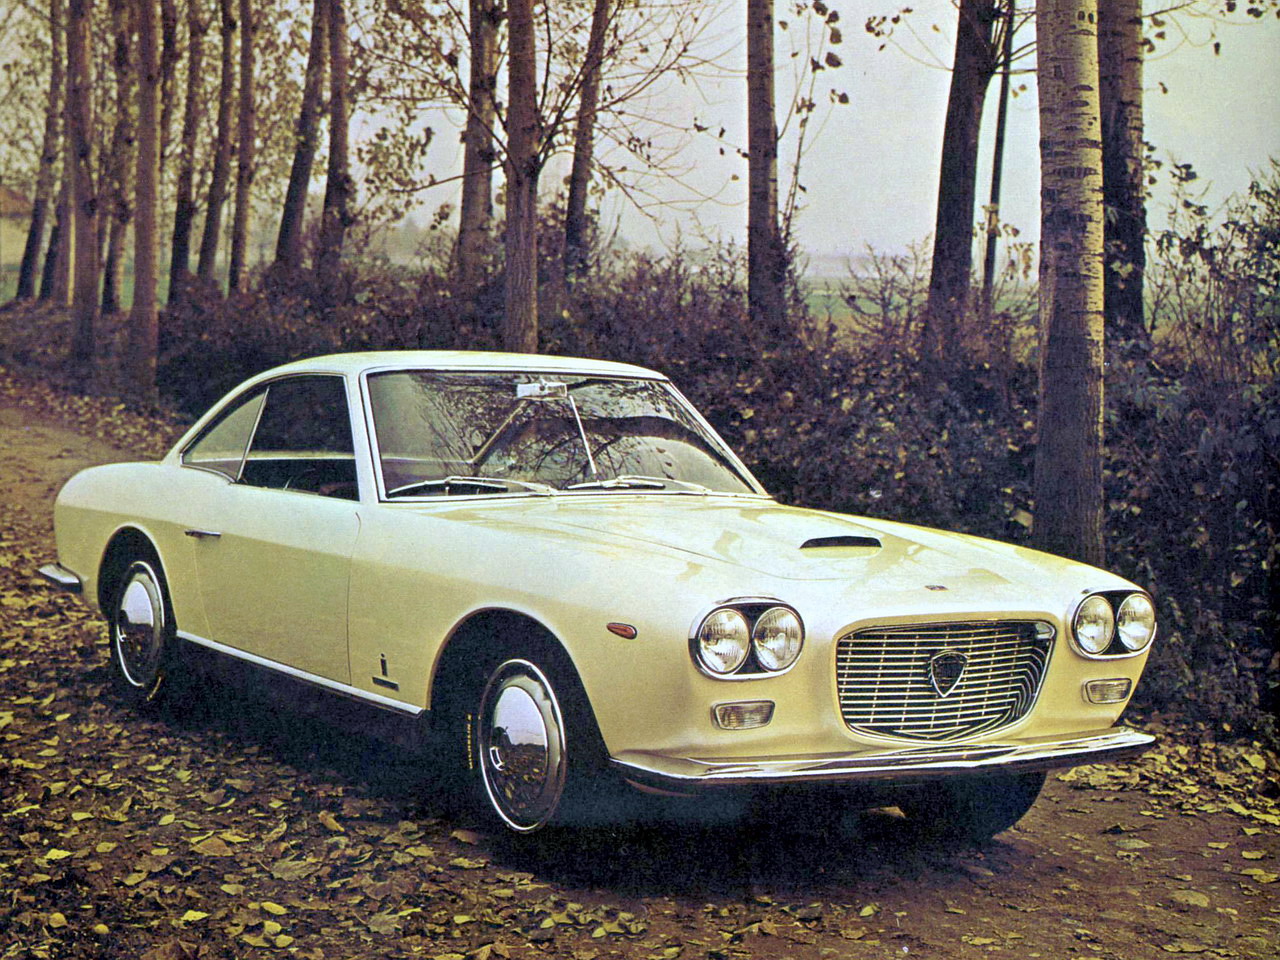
column 356, row 363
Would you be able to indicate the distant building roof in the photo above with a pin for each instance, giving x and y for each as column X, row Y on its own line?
column 13, row 204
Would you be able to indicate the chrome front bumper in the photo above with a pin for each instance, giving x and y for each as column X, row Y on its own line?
column 61, row 577
column 689, row 775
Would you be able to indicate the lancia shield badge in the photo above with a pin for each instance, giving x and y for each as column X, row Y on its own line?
column 945, row 670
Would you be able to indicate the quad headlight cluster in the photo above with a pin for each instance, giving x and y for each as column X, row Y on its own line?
column 747, row 639
column 1114, row 624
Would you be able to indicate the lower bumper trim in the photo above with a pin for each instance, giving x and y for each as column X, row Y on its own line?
column 61, row 577
column 684, row 775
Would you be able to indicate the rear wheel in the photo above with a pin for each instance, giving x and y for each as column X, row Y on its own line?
column 972, row 810
column 142, row 636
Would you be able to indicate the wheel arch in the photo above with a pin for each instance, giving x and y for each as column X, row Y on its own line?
column 125, row 544
column 485, row 633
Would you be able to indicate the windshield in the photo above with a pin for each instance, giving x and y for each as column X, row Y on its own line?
column 441, row 433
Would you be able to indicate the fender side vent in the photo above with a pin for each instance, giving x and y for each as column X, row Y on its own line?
column 844, row 541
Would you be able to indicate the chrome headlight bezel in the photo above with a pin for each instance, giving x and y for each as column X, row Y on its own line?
column 758, row 663
column 1106, row 607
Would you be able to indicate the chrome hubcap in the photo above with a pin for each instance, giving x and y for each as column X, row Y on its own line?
column 139, row 626
column 521, row 745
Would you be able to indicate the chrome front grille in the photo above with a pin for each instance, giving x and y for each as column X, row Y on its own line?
column 883, row 676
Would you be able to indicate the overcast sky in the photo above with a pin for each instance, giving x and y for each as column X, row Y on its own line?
column 871, row 174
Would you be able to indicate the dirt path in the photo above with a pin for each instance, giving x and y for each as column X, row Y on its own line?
column 239, row 827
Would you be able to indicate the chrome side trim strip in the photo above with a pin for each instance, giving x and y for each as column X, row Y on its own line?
column 61, row 577
column 925, row 763
column 387, row 703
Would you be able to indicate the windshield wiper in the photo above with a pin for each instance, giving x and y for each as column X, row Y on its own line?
column 634, row 481
column 481, row 484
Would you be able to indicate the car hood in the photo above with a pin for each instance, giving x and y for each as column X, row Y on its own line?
column 789, row 543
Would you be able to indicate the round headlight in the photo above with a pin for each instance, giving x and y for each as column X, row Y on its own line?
column 777, row 638
column 1095, row 624
column 724, row 641
column 1136, row 622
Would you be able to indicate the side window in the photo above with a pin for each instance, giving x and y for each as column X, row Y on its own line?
column 303, row 441
column 222, row 447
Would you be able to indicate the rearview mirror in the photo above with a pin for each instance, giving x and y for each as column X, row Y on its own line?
column 542, row 390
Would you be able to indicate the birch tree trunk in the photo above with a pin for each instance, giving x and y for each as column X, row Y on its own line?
column 766, row 260
column 997, row 162
column 338, row 186
column 184, row 207
column 222, row 148
column 1123, row 186
column 244, row 151
column 306, row 136
column 476, row 209
column 1068, row 467
column 584, row 138
column 84, row 198
column 143, row 337
column 520, row 323
column 952, row 266
column 48, row 159
column 119, row 207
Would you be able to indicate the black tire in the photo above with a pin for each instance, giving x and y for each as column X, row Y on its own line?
column 143, row 639
column 522, row 729
column 972, row 810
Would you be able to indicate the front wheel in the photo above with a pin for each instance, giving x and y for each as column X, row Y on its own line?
column 142, row 644
column 972, row 810
column 521, row 746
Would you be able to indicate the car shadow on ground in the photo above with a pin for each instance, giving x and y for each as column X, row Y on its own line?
column 632, row 844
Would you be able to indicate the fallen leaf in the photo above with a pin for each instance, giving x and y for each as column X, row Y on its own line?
column 273, row 908
column 332, row 825
column 192, row 916
column 212, row 847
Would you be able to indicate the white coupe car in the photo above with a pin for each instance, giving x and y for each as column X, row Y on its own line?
column 562, row 570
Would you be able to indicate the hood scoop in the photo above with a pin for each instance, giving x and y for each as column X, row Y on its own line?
column 840, row 541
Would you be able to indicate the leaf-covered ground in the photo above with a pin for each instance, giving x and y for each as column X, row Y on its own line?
column 251, row 823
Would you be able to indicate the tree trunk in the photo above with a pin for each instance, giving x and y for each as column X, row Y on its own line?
column 244, row 153
column 520, row 323
column 1068, row 468
column 584, row 138
column 307, row 135
column 184, row 208
column 140, row 357
column 476, row 209
column 957, row 182
column 57, row 241
column 222, row 148
column 336, row 216
column 1123, row 187
column 766, row 260
column 997, row 163
column 48, row 159
column 119, row 208
column 84, row 197
column 168, row 68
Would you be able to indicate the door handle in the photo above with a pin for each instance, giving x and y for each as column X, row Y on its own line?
column 203, row 534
